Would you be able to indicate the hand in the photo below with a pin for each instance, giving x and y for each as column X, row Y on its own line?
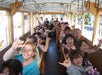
column 100, row 41
column 63, row 27
column 67, row 47
column 48, row 39
column 66, row 63
column 89, row 68
column 17, row 43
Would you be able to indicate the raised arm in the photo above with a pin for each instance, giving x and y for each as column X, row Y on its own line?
column 62, row 31
column 10, row 53
column 45, row 48
column 66, row 63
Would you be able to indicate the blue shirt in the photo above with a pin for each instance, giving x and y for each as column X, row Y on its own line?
column 75, row 70
column 30, row 69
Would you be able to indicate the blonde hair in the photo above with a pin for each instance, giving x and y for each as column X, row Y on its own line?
column 33, row 45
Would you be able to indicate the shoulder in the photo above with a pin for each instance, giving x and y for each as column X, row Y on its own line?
column 31, row 68
column 73, row 70
column 19, row 57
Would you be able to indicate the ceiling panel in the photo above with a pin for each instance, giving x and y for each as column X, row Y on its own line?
column 49, row 5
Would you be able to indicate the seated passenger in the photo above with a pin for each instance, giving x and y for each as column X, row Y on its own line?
column 86, row 48
column 68, row 43
column 74, row 64
column 43, row 43
column 33, row 39
column 77, row 37
column 30, row 67
column 11, row 67
column 65, row 30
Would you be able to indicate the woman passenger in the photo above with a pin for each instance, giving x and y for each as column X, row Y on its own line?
column 33, row 39
column 69, row 43
column 43, row 43
column 30, row 67
column 74, row 64
column 86, row 48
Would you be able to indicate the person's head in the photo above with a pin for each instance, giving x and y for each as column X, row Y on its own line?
column 15, row 67
column 42, row 30
column 76, row 57
column 66, row 23
column 37, row 34
column 57, row 19
column 61, row 19
column 29, row 51
column 84, row 46
column 41, row 39
column 4, row 68
column 31, row 38
column 69, row 39
column 67, row 30
column 12, row 67
column 77, row 33
column 41, row 18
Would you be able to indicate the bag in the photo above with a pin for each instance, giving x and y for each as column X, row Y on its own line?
column 93, row 72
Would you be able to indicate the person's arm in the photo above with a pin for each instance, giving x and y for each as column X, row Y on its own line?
column 62, row 31
column 45, row 48
column 10, row 53
column 66, row 63
column 99, row 45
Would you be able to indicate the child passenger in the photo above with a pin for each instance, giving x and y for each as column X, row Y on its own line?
column 11, row 67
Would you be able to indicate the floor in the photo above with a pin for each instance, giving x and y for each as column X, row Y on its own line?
column 52, row 57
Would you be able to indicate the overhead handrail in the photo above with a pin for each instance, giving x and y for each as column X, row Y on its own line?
column 96, row 5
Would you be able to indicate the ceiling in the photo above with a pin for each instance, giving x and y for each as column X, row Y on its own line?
column 49, row 5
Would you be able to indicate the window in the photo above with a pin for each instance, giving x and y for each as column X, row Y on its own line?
column 17, row 18
column 26, row 27
column 88, row 26
column 3, row 29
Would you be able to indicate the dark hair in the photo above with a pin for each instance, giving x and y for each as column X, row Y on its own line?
column 66, row 23
column 3, row 66
column 74, row 54
column 52, row 35
column 67, row 36
column 81, row 41
column 42, row 37
column 37, row 33
column 33, row 38
column 67, row 28
column 15, row 66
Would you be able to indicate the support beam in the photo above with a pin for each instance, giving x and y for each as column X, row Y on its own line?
column 15, row 6
column 96, row 12
column 22, row 23
column 29, row 22
column 32, row 23
column 82, row 26
column 10, row 28
column 96, row 26
column 49, row 13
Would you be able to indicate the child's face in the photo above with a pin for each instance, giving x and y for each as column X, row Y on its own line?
column 78, row 61
column 6, row 71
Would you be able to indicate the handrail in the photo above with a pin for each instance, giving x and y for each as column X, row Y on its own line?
column 42, row 64
column 62, row 50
